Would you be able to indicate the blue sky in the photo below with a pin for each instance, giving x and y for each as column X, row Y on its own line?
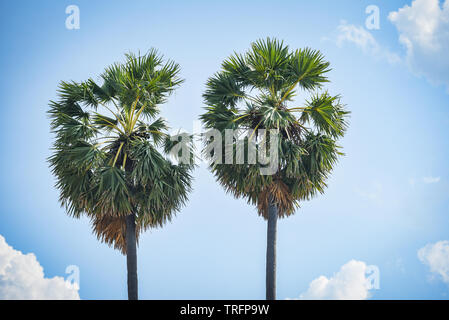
column 387, row 198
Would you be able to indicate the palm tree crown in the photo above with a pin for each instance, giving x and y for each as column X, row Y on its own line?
column 256, row 90
column 107, row 157
column 110, row 150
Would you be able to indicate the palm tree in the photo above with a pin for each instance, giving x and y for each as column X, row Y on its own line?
column 110, row 155
column 255, row 91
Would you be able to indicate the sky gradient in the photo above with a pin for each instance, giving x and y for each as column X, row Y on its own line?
column 387, row 198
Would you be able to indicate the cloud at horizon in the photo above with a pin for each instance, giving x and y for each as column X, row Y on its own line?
column 22, row 278
column 349, row 283
column 436, row 257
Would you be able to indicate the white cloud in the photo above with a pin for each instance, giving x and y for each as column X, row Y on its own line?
column 349, row 283
column 364, row 40
column 424, row 31
column 436, row 256
column 22, row 277
column 429, row 180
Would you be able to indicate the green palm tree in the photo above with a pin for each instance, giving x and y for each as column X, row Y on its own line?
column 110, row 155
column 255, row 91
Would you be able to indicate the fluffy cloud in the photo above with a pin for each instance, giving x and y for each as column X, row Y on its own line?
column 436, row 256
column 22, row 277
column 424, row 31
column 349, row 283
column 364, row 40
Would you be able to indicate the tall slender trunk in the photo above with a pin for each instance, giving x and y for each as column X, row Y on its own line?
column 131, row 256
column 271, row 252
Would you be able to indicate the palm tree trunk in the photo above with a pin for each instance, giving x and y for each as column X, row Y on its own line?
column 271, row 252
column 131, row 256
